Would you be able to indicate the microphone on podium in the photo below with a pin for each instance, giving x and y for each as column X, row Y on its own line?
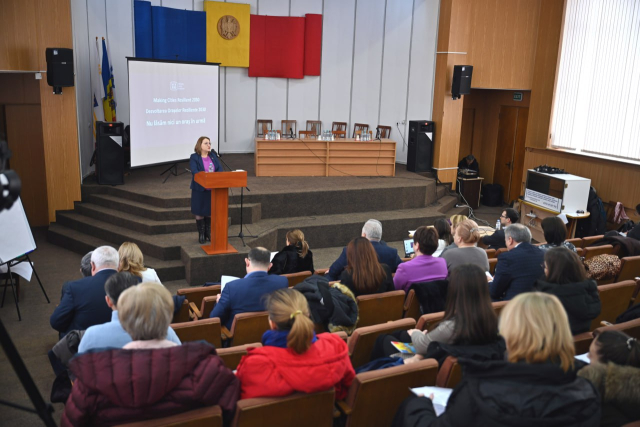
column 291, row 132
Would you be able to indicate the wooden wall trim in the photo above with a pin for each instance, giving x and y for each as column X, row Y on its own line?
column 18, row 37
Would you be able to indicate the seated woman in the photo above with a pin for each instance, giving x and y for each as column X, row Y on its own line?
column 555, row 233
column 566, row 278
column 167, row 378
column 536, row 385
column 364, row 274
column 424, row 267
column 615, row 372
column 466, row 237
column 634, row 233
column 469, row 318
column 293, row 358
column 293, row 258
column 444, row 235
column 454, row 221
column 132, row 260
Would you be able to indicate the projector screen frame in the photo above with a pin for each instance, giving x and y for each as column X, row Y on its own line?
column 133, row 58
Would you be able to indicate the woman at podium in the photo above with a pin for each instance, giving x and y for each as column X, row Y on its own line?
column 204, row 159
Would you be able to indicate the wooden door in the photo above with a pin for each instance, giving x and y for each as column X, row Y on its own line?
column 466, row 132
column 509, row 163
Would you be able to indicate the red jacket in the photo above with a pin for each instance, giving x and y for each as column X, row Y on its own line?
column 274, row 371
column 120, row 386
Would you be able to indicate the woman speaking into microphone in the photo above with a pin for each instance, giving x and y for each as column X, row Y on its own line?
column 203, row 160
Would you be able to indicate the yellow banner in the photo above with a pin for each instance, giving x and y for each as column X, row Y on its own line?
column 228, row 33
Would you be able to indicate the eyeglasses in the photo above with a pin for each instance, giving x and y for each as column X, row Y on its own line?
column 503, row 216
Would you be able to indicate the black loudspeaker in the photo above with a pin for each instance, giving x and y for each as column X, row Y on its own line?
column 59, row 68
column 109, row 153
column 461, row 84
column 421, row 140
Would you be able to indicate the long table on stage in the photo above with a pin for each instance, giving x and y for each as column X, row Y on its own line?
column 312, row 157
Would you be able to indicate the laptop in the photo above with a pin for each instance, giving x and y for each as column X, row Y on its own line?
column 408, row 248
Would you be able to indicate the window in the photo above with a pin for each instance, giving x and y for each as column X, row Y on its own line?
column 597, row 96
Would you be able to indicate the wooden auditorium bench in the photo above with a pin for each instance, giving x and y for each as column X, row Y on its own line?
column 247, row 328
column 361, row 341
column 232, row 355
column 210, row 416
column 208, row 330
column 380, row 308
column 614, row 299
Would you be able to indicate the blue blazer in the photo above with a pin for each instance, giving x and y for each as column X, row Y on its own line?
column 197, row 165
column 82, row 304
column 386, row 255
column 245, row 295
column 517, row 272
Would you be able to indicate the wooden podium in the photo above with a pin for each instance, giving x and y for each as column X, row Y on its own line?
column 219, row 184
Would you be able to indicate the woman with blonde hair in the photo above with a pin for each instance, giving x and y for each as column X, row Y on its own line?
column 466, row 237
column 537, row 385
column 293, row 358
column 454, row 221
column 293, row 258
column 167, row 378
column 132, row 260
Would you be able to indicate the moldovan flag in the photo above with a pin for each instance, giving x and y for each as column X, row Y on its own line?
column 228, row 33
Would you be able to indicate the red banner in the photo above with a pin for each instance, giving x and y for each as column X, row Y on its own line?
column 312, row 44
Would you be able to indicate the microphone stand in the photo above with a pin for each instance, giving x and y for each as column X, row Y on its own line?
column 241, row 235
column 378, row 135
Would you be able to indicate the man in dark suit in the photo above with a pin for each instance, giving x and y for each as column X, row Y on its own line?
column 245, row 295
column 82, row 302
column 518, row 269
column 372, row 230
column 496, row 240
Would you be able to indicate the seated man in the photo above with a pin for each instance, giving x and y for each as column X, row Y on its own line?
column 372, row 230
column 112, row 334
column 518, row 269
column 470, row 163
column 496, row 240
column 245, row 295
column 82, row 303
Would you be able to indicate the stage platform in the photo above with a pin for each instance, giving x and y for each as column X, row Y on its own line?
column 329, row 210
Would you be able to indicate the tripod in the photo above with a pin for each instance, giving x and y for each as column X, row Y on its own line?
column 241, row 235
column 173, row 170
column 9, row 281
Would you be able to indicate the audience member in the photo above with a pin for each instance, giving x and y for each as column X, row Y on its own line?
column 496, row 240
column 293, row 358
column 444, row 235
column 566, row 278
column 150, row 377
column 469, row 318
column 634, row 233
column 537, row 385
column 82, row 302
column 424, row 267
column 245, row 295
column 293, row 258
column 470, row 163
column 518, row 269
column 466, row 237
column 85, row 264
column 615, row 373
column 364, row 274
column 112, row 334
column 454, row 221
column 372, row 230
column 555, row 233
column 131, row 260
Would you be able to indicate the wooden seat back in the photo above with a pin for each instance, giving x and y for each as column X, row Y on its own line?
column 582, row 342
column 629, row 268
column 298, row 409
column 263, row 127
column 588, row 241
column 205, row 329
column 450, row 373
column 498, row 306
column 577, row 242
column 491, row 253
column 380, row 308
column 385, row 131
column 295, row 278
column 360, row 127
column 501, row 251
column 631, row 328
column 411, row 306
column 614, row 299
column 249, row 327
column 321, row 272
column 210, row 416
column 314, row 126
column 183, row 313
column 429, row 321
column 492, row 265
column 306, row 134
column 361, row 341
column 591, row 251
column 232, row 355
column 339, row 133
column 287, row 126
column 195, row 294
column 374, row 397
column 339, row 126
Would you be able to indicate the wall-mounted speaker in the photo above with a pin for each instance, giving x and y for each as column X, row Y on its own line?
column 461, row 84
column 59, row 68
column 421, row 140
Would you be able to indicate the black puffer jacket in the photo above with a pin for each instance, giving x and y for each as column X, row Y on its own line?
column 483, row 352
column 329, row 305
column 580, row 300
column 288, row 261
column 496, row 394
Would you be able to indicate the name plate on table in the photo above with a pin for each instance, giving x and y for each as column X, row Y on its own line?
column 543, row 200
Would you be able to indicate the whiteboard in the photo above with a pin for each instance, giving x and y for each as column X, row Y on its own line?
column 15, row 234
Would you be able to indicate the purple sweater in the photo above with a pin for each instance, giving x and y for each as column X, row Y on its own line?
column 423, row 268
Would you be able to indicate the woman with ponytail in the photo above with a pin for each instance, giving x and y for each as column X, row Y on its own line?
column 293, row 359
column 293, row 258
column 615, row 373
